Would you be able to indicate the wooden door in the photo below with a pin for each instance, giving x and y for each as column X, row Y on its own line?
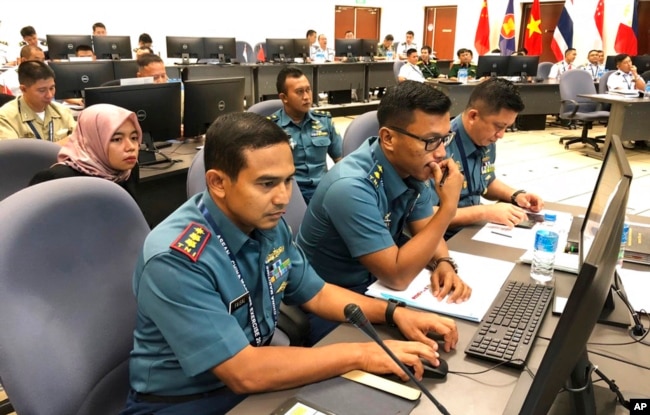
column 363, row 21
column 439, row 30
column 550, row 14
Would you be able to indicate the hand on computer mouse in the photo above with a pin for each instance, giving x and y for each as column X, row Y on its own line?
column 431, row 372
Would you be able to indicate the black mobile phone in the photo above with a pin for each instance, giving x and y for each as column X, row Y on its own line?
column 298, row 406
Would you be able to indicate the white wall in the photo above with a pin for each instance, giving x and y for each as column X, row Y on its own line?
column 255, row 20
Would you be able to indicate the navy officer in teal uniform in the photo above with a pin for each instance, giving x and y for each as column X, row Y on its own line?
column 209, row 283
column 312, row 132
column 354, row 230
column 492, row 107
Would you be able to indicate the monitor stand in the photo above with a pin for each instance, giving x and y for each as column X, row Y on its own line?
column 115, row 56
column 185, row 58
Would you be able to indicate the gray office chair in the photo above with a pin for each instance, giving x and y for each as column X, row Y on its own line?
column 266, row 108
column 396, row 67
column 66, row 302
column 360, row 129
column 543, row 69
column 646, row 76
column 196, row 175
column 4, row 98
column 573, row 107
column 21, row 159
column 602, row 88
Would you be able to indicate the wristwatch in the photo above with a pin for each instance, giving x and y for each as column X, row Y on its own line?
column 390, row 310
column 447, row 259
column 513, row 198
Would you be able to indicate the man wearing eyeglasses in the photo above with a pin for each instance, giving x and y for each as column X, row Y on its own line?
column 353, row 232
column 492, row 107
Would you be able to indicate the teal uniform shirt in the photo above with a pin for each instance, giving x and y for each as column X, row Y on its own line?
column 429, row 70
column 193, row 311
column 361, row 206
column 471, row 70
column 476, row 163
column 311, row 141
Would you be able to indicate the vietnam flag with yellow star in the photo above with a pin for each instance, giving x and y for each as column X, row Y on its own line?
column 507, row 35
column 533, row 38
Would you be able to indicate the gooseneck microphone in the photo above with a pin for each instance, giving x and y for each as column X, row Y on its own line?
column 355, row 316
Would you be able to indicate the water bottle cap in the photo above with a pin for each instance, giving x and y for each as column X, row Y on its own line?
column 550, row 217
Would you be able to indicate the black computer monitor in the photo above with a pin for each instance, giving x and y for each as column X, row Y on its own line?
column 158, row 106
column 642, row 63
column 610, row 63
column 206, row 99
column 369, row 47
column 279, row 50
column 565, row 363
column 222, row 48
column 301, row 48
column 72, row 78
column 125, row 68
column 350, row 48
column 112, row 47
column 523, row 66
column 492, row 65
column 65, row 46
column 185, row 48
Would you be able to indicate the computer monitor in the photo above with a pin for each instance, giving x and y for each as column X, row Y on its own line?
column 112, row 47
column 369, row 47
column 222, row 48
column 72, row 78
column 279, row 50
column 492, row 65
column 642, row 63
column 301, row 48
column 125, row 68
column 185, row 48
column 64, row 46
column 610, row 63
column 523, row 66
column 565, row 363
column 206, row 99
column 350, row 48
column 158, row 106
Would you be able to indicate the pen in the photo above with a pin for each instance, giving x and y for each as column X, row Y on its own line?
column 501, row 234
column 445, row 173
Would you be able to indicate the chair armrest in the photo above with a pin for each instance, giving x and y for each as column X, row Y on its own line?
column 576, row 106
column 294, row 323
column 5, row 407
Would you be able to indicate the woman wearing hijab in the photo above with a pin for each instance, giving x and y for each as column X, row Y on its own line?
column 104, row 144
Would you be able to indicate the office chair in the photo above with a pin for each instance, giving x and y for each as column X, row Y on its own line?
column 646, row 76
column 543, row 69
column 396, row 67
column 602, row 88
column 196, row 175
column 360, row 129
column 4, row 98
column 21, row 159
column 66, row 302
column 573, row 107
column 266, row 108
column 244, row 52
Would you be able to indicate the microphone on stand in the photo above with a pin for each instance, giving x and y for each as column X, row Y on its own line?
column 355, row 316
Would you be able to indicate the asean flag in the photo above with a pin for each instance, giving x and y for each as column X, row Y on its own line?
column 507, row 35
column 626, row 40
column 533, row 39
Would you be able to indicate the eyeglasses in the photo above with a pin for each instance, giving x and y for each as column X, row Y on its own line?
column 432, row 143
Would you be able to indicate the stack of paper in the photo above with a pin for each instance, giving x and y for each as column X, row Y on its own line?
column 627, row 93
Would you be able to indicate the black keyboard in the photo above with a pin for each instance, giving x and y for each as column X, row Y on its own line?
column 506, row 333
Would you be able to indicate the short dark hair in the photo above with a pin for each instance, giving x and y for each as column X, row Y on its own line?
column 464, row 50
column 410, row 32
column 427, row 48
column 80, row 48
column 147, row 59
column 145, row 38
column 569, row 50
column 411, row 50
column 400, row 101
column 389, row 37
column 27, row 51
column 29, row 72
column 27, row 31
column 495, row 94
column 286, row 72
column 310, row 32
column 232, row 133
column 620, row 58
column 98, row 24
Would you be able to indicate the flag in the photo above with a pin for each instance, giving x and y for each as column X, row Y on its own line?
column 626, row 40
column 563, row 34
column 599, row 18
column 507, row 35
column 482, row 39
column 260, row 53
column 245, row 53
column 533, row 39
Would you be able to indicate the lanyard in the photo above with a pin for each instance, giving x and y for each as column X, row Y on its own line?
column 628, row 82
column 251, row 311
column 50, row 127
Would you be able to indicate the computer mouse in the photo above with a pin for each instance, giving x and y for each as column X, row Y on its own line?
column 439, row 372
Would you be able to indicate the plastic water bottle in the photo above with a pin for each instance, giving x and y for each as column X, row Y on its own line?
column 600, row 73
column 624, row 238
column 389, row 54
column 546, row 241
column 646, row 93
column 462, row 75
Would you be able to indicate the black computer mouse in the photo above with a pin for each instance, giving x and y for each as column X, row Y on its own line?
column 439, row 372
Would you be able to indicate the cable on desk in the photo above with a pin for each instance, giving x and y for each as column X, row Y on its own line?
column 480, row 372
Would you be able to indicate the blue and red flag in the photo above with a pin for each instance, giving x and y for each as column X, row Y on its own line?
column 563, row 34
column 507, row 35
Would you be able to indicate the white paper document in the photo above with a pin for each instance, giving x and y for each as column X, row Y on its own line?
column 637, row 287
column 484, row 275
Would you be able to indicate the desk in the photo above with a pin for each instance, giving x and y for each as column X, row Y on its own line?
column 162, row 187
column 629, row 118
column 489, row 393
column 340, row 76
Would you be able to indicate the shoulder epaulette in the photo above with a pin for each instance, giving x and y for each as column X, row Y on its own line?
column 272, row 117
column 323, row 113
column 192, row 241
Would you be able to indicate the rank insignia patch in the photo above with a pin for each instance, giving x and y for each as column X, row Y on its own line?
column 192, row 241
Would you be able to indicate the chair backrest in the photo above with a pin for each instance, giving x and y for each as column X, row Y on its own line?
column 646, row 76
column 396, row 67
column 196, row 175
column 244, row 52
column 361, row 128
column 266, row 108
column 543, row 69
column 573, row 83
column 66, row 302
column 4, row 98
column 602, row 88
column 21, row 159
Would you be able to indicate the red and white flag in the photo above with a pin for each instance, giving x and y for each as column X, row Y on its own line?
column 626, row 36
